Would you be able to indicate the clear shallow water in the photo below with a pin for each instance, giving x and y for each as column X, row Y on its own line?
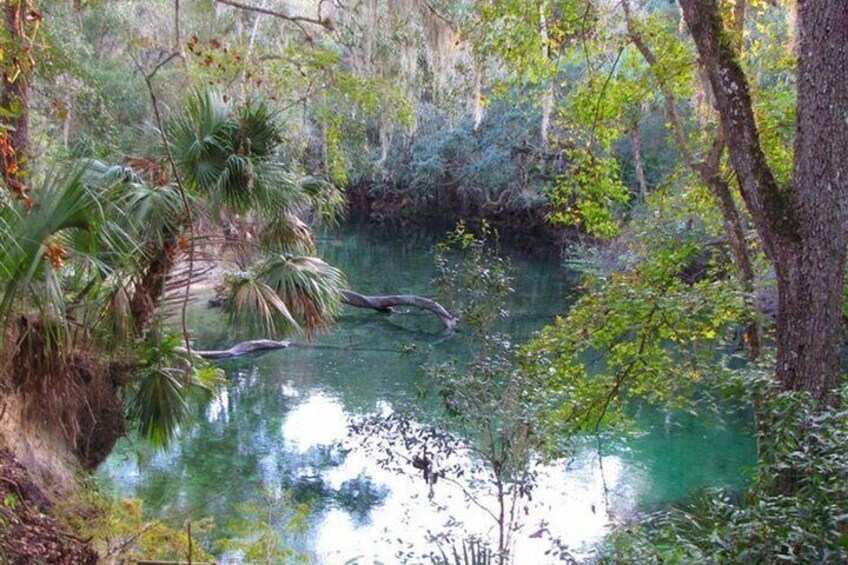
column 280, row 426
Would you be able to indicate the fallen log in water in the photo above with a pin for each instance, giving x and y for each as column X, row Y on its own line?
column 385, row 304
column 242, row 349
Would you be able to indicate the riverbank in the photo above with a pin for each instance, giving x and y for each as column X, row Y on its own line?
column 28, row 531
column 525, row 228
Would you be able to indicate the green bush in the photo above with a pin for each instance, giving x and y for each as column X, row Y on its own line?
column 797, row 512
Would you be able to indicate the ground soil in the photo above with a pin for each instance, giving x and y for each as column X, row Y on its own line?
column 28, row 534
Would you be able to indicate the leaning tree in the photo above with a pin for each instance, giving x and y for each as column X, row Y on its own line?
column 804, row 223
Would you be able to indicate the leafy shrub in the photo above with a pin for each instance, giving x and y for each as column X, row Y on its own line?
column 797, row 512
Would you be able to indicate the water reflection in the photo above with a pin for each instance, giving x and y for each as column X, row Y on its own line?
column 393, row 512
column 280, row 427
column 319, row 420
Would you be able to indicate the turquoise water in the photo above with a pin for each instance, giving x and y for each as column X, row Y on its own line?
column 278, row 433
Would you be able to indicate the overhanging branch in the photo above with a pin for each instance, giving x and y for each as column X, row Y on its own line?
column 385, row 304
column 242, row 349
column 323, row 22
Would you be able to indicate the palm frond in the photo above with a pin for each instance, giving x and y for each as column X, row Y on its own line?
column 155, row 213
column 64, row 205
column 114, row 317
column 324, row 197
column 230, row 155
column 161, row 397
column 310, row 288
column 253, row 308
column 158, row 405
column 103, row 174
column 260, row 130
column 288, row 235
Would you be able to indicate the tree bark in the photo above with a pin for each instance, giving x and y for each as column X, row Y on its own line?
column 802, row 225
column 385, row 304
column 150, row 288
column 710, row 173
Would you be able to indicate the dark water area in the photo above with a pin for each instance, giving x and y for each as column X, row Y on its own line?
column 277, row 434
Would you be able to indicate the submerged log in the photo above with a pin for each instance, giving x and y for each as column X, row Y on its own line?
column 242, row 349
column 385, row 304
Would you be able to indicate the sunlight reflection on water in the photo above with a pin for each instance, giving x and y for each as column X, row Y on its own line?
column 571, row 505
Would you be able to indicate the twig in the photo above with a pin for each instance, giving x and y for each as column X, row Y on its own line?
column 325, row 23
column 604, row 89
column 470, row 497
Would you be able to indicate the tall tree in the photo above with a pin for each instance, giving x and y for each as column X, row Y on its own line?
column 803, row 225
column 708, row 169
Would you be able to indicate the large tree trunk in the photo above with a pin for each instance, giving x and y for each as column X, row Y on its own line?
column 811, row 272
column 803, row 225
column 810, row 278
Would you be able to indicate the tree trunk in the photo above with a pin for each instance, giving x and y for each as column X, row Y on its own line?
column 151, row 287
column 15, row 97
column 810, row 279
column 735, row 235
column 241, row 349
column 385, row 304
column 477, row 95
column 803, row 225
column 548, row 97
column 638, row 164
column 710, row 173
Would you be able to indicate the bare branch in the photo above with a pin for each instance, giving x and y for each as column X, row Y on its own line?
column 323, row 22
column 385, row 303
column 243, row 349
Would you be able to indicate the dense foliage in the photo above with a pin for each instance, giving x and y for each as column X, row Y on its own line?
column 696, row 149
column 765, row 524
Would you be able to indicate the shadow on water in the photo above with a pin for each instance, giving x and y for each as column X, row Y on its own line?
column 281, row 426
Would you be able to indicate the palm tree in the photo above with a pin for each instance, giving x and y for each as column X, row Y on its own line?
column 230, row 158
column 55, row 258
column 229, row 164
column 84, row 270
